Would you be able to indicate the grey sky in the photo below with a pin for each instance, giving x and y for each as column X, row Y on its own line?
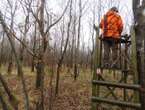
column 57, row 6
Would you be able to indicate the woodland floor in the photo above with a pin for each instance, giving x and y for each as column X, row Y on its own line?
column 73, row 95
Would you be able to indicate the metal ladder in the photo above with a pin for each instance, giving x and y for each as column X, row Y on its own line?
column 125, row 80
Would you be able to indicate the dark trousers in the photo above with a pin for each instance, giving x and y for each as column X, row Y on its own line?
column 110, row 50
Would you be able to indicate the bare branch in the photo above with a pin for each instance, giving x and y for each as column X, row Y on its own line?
column 20, row 71
column 7, row 30
column 10, row 3
column 47, row 30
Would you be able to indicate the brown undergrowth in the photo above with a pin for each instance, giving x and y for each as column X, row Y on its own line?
column 73, row 95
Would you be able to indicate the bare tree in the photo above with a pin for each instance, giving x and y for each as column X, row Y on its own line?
column 73, row 40
column 10, row 35
column 4, row 103
column 140, row 41
column 26, row 27
column 44, row 33
column 13, row 9
column 12, row 98
column 34, row 48
column 78, row 42
column 2, row 48
column 93, row 35
column 64, row 51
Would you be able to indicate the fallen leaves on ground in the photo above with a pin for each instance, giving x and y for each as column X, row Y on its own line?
column 73, row 95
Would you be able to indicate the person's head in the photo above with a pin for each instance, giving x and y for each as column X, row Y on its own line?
column 115, row 9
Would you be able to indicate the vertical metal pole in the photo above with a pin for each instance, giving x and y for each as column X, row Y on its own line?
column 120, row 65
column 133, row 67
column 96, row 64
column 101, row 70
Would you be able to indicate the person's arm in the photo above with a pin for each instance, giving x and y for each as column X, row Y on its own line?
column 120, row 25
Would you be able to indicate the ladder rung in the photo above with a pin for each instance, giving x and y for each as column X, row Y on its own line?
column 125, row 71
column 118, row 103
column 109, row 68
column 112, row 68
column 119, row 85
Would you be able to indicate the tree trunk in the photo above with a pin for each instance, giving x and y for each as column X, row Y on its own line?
column 4, row 103
column 51, row 88
column 11, row 97
column 64, row 51
column 10, row 65
column 19, row 67
column 76, row 68
column 140, row 35
column 34, row 48
column 2, row 47
column 40, row 64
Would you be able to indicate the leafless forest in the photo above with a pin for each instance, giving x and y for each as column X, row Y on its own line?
column 47, row 51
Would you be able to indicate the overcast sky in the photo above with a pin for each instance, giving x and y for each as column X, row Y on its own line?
column 57, row 6
column 125, row 10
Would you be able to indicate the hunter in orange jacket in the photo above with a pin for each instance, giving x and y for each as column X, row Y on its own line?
column 111, row 25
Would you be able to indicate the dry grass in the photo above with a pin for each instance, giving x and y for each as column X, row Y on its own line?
column 73, row 95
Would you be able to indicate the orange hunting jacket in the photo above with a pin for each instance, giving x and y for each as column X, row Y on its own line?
column 111, row 25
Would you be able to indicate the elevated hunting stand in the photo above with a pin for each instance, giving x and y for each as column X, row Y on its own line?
column 113, row 88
